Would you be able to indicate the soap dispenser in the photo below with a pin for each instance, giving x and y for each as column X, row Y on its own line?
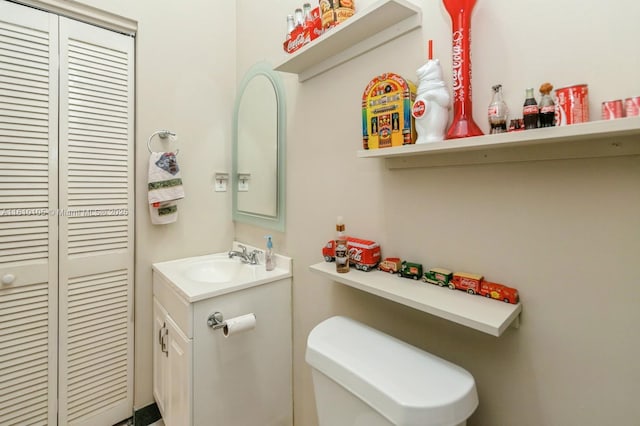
column 269, row 261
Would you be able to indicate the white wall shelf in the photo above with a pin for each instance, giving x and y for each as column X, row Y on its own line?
column 367, row 29
column 482, row 314
column 603, row 138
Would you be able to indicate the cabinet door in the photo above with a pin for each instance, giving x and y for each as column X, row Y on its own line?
column 179, row 371
column 160, row 356
column 28, row 232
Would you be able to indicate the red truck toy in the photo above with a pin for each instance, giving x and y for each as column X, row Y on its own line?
column 363, row 254
column 476, row 284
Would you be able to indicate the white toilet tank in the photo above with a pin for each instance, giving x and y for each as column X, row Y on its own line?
column 363, row 377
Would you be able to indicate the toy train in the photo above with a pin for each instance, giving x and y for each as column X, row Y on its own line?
column 365, row 255
column 471, row 283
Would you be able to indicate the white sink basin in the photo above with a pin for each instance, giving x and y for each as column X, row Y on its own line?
column 201, row 277
column 219, row 270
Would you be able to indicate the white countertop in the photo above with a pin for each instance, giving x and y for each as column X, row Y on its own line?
column 194, row 288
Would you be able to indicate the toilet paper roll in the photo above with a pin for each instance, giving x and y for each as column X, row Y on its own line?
column 239, row 324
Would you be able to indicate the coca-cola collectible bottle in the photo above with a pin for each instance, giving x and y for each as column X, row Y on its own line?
column 498, row 111
column 530, row 111
column 290, row 26
column 547, row 106
column 299, row 17
column 309, row 23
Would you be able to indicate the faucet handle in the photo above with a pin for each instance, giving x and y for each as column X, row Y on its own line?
column 244, row 248
column 253, row 257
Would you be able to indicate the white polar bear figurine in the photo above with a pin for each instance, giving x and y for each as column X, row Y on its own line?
column 432, row 104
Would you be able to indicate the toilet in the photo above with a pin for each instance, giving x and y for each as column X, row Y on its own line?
column 363, row 377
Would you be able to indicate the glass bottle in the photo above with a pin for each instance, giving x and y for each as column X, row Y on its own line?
column 299, row 17
column 306, row 11
column 308, row 17
column 530, row 111
column 290, row 26
column 342, row 251
column 498, row 111
column 546, row 106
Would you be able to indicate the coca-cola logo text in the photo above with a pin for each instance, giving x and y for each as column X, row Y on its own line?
column 355, row 254
column 296, row 43
column 458, row 60
column 418, row 109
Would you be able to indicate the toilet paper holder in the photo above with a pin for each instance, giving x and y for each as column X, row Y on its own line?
column 216, row 320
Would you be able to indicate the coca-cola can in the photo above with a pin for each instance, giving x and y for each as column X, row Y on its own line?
column 612, row 109
column 632, row 106
column 572, row 105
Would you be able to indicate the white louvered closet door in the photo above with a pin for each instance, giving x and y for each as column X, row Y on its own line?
column 66, row 221
column 96, row 236
column 28, row 233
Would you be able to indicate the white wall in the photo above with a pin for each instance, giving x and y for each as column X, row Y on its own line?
column 565, row 233
column 185, row 82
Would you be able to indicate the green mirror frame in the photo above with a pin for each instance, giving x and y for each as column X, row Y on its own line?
column 277, row 221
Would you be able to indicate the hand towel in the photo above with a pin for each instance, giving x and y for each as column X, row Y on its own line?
column 165, row 187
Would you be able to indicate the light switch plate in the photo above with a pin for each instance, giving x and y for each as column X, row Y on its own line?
column 221, row 180
column 243, row 182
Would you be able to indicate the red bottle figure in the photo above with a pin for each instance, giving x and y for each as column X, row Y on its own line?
column 463, row 124
column 530, row 111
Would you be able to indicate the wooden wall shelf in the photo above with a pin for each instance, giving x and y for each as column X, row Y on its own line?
column 482, row 314
column 603, row 138
column 367, row 29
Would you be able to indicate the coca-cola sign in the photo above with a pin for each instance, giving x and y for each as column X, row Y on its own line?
column 355, row 254
column 296, row 43
column 419, row 109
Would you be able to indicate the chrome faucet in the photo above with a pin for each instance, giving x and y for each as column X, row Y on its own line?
column 245, row 257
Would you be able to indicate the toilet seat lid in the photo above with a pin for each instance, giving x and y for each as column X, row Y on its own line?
column 403, row 383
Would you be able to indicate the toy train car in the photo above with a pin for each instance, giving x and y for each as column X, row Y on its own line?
column 472, row 284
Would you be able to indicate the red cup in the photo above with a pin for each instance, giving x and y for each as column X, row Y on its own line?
column 612, row 110
column 632, row 107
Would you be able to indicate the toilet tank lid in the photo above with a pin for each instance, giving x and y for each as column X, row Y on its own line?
column 403, row 383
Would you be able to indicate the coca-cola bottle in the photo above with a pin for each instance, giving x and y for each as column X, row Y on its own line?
column 306, row 11
column 299, row 18
column 530, row 111
column 547, row 106
column 290, row 26
column 498, row 111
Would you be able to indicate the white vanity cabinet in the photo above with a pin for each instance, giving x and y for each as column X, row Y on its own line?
column 201, row 377
column 172, row 352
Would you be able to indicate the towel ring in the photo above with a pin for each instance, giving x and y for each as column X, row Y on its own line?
column 163, row 134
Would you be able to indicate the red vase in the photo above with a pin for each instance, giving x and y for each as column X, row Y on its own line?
column 463, row 125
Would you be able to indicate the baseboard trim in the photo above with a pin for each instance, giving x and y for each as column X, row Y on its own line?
column 146, row 415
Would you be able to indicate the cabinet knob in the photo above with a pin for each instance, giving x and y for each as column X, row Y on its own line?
column 8, row 278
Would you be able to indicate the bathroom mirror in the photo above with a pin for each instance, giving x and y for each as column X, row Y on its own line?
column 259, row 149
